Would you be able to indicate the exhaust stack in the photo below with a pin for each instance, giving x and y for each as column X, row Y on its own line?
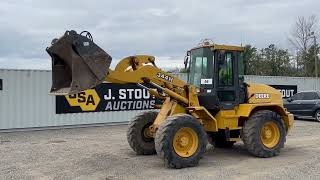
column 77, row 63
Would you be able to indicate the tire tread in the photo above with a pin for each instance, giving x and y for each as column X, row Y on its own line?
column 133, row 132
column 251, row 134
column 162, row 144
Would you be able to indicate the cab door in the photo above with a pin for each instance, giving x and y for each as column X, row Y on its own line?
column 227, row 78
column 201, row 76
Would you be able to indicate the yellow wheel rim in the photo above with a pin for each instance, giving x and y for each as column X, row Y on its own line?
column 270, row 134
column 185, row 142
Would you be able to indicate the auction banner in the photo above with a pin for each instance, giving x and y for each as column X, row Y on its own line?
column 106, row 97
column 122, row 97
column 286, row 90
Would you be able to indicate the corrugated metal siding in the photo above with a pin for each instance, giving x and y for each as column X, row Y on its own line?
column 303, row 83
column 25, row 103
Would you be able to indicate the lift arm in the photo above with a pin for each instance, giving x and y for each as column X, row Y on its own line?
column 142, row 69
column 79, row 64
column 178, row 96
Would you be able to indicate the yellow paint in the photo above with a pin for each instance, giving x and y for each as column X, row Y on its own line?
column 256, row 92
column 177, row 109
column 139, row 60
column 146, row 71
column 227, row 47
column 288, row 119
column 227, row 119
column 270, row 134
column 162, row 115
column 222, row 47
column 185, row 142
column 88, row 100
column 182, row 97
column 274, row 103
column 235, row 139
column 193, row 96
column 169, row 108
column 204, row 116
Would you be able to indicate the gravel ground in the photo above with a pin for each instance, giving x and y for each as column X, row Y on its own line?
column 103, row 153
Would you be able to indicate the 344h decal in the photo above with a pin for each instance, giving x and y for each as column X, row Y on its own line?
column 88, row 100
column 165, row 77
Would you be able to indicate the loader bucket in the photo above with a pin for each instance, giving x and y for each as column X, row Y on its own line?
column 77, row 63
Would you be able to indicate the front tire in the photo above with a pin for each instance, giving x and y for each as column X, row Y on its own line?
column 264, row 134
column 181, row 141
column 136, row 134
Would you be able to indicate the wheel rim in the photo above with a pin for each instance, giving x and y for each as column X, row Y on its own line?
column 185, row 142
column 318, row 116
column 146, row 134
column 270, row 134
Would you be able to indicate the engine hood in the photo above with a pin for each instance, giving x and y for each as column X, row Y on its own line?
column 261, row 93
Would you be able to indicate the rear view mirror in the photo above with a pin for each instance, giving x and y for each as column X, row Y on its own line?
column 186, row 62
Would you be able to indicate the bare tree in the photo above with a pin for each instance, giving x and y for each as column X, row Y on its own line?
column 301, row 38
column 301, row 35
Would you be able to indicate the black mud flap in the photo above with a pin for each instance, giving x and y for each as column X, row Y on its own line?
column 77, row 63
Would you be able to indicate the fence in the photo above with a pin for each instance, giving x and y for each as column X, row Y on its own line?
column 25, row 103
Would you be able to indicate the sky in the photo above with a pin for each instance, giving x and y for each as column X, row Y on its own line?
column 165, row 29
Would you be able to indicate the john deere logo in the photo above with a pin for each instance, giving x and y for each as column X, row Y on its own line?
column 88, row 100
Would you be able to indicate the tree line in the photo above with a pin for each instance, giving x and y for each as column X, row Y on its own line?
column 275, row 61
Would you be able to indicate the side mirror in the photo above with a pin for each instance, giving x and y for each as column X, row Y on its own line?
column 289, row 99
column 186, row 62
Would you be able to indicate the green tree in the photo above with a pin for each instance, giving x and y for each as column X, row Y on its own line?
column 276, row 61
column 269, row 61
column 251, row 60
column 310, row 63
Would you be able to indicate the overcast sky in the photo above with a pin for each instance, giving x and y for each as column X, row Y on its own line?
column 163, row 28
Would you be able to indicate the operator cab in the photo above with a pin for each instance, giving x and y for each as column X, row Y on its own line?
column 218, row 73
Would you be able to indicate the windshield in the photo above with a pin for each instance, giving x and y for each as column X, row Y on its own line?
column 201, row 66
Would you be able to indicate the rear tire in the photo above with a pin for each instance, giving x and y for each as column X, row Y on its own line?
column 181, row 141
column 317, row 115
column 264, row 134
column 137, row 140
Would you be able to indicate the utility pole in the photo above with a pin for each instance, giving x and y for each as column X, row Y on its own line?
column 315, row 55
column 312, row 34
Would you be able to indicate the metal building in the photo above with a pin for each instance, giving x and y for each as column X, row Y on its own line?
column 25, row 103
column 303, row 83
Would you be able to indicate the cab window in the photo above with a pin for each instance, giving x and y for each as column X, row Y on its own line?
column 241, row 68
column 200, row 66
column 200, row 69
column 225, row 70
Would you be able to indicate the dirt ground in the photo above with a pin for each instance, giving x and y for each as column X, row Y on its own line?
column 103, row 153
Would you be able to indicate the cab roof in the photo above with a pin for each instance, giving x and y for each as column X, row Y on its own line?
column 220, row 47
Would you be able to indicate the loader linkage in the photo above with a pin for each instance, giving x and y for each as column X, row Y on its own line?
column 214, row 105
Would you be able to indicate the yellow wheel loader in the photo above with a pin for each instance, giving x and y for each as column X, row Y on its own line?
column 214, row 106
